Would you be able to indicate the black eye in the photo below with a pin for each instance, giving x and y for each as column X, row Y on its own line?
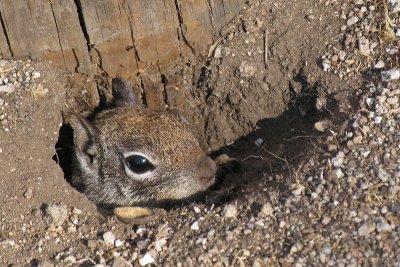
column 139, row 164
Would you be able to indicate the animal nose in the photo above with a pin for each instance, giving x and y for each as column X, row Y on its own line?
column 207, row 171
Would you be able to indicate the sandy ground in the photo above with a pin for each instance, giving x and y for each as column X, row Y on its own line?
column 264, row 114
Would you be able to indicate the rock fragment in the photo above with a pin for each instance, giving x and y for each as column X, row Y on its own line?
column 55, row 214
column 230, row 211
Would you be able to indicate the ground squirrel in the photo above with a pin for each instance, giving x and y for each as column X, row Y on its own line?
column 133, row 156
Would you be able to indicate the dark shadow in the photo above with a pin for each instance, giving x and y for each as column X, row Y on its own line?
column 288, row 142
column 64, row 151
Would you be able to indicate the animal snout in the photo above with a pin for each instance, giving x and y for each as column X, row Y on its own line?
column 207, row 170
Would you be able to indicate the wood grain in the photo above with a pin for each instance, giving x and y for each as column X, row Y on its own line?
column 142, row 40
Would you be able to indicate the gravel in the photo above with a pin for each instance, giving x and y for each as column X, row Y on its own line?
column 339, row 207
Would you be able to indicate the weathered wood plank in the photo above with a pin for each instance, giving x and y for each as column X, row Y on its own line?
column 196, row 26
column 109, row 34
column 30, row 27
column 223, row 11
column 36, row 27
column 147, row 41
column 154, row 27
column 4, row 48
column 70, row 36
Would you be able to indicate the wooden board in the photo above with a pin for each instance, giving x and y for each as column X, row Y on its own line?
column 145, row 41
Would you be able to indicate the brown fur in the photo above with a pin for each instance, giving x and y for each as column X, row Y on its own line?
column 181, row 168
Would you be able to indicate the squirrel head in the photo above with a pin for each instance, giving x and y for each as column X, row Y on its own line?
column 130, row 155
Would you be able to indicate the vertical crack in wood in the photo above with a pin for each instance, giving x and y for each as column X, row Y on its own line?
column 100, row 65
column 82, row 22
column 164, row 81
column 211, row 13
column 59, row 40
column 131, row 31
column 137, row 57
column 181, row 27
column 95, row 89
column 3, row 25
column 223, row 8
column 163, row 91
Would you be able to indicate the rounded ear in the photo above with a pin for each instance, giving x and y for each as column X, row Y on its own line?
column 85, row 141
column 123, row 93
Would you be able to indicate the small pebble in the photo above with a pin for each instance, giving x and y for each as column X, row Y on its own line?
column 109, row 238
column 363, row 46
column 390, row 75
column 7, row 88
column 195, row 226
column 28, row 193
column 55, row 214
column 218, row 52
column 35, row 74
column 230, row 211
column 266, row 210
column 366, row 229
column 247, row 69
column 351, row 21
column 118, row 243
column 146, row 259
column 196, row 209
column 379, row 64
column 322, row 126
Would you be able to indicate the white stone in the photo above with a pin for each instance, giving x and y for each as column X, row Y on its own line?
column 7, row 88
column 218, row 52
column 298, row 190
column 147, row 259
column 384, row 210
column 336, row 174
column 35, row 74
column 266, row 210
column 366, row 229
column 195, row 226
column 351, row 21
column 393, row 100
column 109, row 238
column 379, row 64
column 326, row 64
column 363, row 46
column 118, row 243
column 322, row 125
column 378, row 119
column 229, row 211
column 382, row 225
column 338, row 160
column 383, row 175
column 55, row 214
column 387, row 75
